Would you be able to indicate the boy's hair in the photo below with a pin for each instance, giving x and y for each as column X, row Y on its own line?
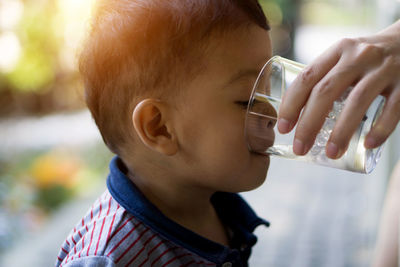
column 149, row 48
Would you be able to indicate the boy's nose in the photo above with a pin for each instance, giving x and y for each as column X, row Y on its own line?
column 264, row 108
column 260, row 132
column 271, row 123
column 267, row 111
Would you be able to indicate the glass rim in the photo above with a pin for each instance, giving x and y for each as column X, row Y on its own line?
column 253, row 90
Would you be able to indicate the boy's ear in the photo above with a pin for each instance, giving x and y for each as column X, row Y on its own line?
column 152, row 122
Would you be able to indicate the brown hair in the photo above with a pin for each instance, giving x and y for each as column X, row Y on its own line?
column 143, row 48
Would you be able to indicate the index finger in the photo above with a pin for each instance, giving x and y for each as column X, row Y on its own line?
column 299, row 91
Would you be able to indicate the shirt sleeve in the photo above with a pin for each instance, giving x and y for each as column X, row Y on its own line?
column 91, row 261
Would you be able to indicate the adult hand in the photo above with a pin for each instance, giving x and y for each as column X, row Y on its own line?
column 370, row 64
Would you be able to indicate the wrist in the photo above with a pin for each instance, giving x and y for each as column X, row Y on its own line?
column 392, row 29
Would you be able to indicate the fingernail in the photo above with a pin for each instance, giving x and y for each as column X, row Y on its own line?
column 370, row 142
column 332, row 150
column 283, row 125
column 298, row 147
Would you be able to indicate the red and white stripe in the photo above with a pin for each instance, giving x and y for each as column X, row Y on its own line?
column 108, row 230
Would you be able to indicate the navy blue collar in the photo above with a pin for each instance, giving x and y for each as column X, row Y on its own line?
column 231, row 208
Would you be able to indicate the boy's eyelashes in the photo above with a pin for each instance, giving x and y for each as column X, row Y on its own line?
column 243, row 104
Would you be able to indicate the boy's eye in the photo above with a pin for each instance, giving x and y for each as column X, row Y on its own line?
column 243, row 104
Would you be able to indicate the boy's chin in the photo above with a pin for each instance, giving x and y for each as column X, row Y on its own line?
column 261, row 162
column 259, row 174
column 262, row 171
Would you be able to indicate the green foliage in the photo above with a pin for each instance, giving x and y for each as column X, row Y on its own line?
column 40, row 43
column 46, row 179
column 26, row 200
column 273, row 12
column 33, row 73
column 285, row 9
column 330, row 13
column 50, row 198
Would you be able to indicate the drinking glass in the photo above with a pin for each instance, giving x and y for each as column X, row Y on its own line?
column 263, row 136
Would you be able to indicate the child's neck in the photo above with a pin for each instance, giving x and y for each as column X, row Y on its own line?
column 190, row 207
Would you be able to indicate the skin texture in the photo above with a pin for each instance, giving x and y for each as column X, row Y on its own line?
column 194, row 146
column 371, row 65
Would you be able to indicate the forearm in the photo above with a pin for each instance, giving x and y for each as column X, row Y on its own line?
column 395, row 27
column 387, row 246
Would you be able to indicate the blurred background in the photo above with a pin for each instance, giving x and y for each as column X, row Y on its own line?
column 53, row 163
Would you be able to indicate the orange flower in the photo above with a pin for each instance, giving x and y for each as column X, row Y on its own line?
column 55, row 168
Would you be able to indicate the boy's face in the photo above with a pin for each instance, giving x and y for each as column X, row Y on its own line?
column 211, row 114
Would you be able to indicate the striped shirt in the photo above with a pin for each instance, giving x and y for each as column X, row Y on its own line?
column 122, row 228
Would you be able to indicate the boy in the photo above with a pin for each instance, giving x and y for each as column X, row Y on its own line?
column 168, row 83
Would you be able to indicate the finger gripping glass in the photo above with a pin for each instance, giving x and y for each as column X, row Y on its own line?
column 262, row 135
